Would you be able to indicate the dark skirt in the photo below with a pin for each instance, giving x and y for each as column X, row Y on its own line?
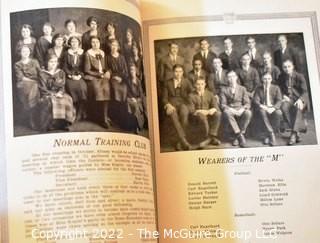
column 99, row 89
column 77, row 89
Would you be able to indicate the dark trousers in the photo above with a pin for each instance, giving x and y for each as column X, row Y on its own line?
column 238, row 124
column 271, row 121
column 179, row 119
column 293, row 116
column 211, row 123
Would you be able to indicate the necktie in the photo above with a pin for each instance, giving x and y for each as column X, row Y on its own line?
column 267, row 97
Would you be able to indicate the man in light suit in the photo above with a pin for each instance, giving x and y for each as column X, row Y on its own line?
column 267, row 99
column 248, row 75
column 285, row 53
column 218, row 78
column 175, row 99
column 256, row 57
column 269, row 67
column 295, row 100
column 166, row 63
column 196, row 72
column 206, row 55
column 235, row 104
column 229, row 58
column 204, row 108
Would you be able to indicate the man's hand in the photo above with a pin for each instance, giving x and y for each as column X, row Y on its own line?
column 286, row 98
column 169, row 109
column 299, row 104
column 118, row 79
column 270, row 110
column 107, row 75
column 202, row 112
column 212, row 111
column 240, row 111
column 59, row 94
column 264, row 107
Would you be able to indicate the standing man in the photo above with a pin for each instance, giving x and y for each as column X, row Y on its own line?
column 267, row 99
column 248, row 75
column 218, row 78
column 295, row 100
column 269, row 67
column 167, row 62
column 235, row 104
column 204, row 108
column 285, row 53
column 196, row 72
column 205, row 55
column 256, row 57
column 175, row 100
column 229, row 58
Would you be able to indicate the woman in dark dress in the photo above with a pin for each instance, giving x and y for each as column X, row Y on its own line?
column 43, row 44
column 56, row 106
column 27, row 83
column 119, row 78
column 97, row 78
column 93, row 23
column 27, row 40
column 110, row 36
column 128, row 46
column 136, row 99
column 75, row 84
column 58, row 48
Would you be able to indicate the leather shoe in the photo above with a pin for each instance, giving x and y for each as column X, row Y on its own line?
column 266, row 141
column 272, row 139
column 204, row 143
column 298, row 138
column 215, row 141
column 235, row 142
column 293, row 139
column 242, row 141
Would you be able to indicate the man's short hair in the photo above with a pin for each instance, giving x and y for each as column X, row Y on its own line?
column 288, row 60
column 177, row 66
column 172, row 43
column 282, row 35
column 203, row 39
column 250, row 38
column 227, row 38
column 196, row 59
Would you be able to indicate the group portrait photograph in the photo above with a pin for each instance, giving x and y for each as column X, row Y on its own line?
column 234, row 91
column 77, row 70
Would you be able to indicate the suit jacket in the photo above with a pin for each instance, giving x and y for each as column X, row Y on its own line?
column 275, row 96
column 172, row 96
column 192, row 77
column 230, row 62
column 206, row 62
column 237, row 100
column 274, row 70
column 299, row 88
column 166, row 67
column 249, row 79
column 206, row 102
column 289, row 53
column 215, row 83
column 257, row 60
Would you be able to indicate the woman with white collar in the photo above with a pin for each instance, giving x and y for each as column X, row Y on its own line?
column 56, row 106
column 97, row 77
column 75, row 84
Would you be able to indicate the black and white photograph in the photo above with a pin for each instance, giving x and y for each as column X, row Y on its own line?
column 77, row 70
column 234, row 91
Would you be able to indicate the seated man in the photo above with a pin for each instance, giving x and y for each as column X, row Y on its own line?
column 205, row 55
column 175, row 100
column 267, row 99
column 235, row 104
column 196, row 72
column 295, row 100
column 204, row 107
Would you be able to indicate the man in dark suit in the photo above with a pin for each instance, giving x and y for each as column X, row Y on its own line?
column 196, row 72
column 166, row 63
column 235, row 104
column 295, row 100
column 267, row 99
column 175, row 99
column 218, row 78
column 248, row 75
column 256, row 57
column 229, row 58
column 203, row 107
column 206, row 55
column 285, row 53
column 269, row 67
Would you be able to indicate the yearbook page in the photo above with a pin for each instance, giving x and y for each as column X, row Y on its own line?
column 76, row 165
column 235, row 119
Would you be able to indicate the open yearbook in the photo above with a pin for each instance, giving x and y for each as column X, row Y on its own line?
column 158, row 121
